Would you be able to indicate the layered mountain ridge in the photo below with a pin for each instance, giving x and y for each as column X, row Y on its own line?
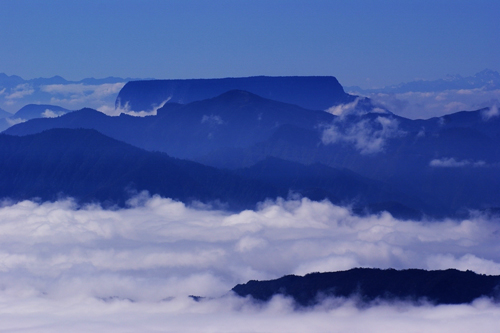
column 440, row 166
column 90, row 167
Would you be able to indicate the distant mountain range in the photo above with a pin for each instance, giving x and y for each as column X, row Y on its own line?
column 232, row 143
column 30, row 111
column 235, row 119
column 90, row 167
column 486, row 79
column 16, row 92
column 367, row 285
column 440, row 166
column 11, row 81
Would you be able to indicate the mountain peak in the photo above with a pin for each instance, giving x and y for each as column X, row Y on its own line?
column 237, row 95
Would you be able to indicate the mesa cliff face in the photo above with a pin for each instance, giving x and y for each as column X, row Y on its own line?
column 310, row 92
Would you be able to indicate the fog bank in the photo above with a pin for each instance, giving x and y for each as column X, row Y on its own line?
column 133, row 269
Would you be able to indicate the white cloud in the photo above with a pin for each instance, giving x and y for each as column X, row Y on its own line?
column 14, row 121
column 87, row 268
column 77, row 95
column 236, row 315
column 125, row 109
column 424, row 105
column 454, row 107
column 343, row 109
column 368, row 136
column 490, row 112
column 212, row 120
column 450, row 162
column 75, row 89
column 110, row 110
column 51, row 114
column 20, row 91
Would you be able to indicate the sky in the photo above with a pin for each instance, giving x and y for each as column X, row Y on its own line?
column 362, row 42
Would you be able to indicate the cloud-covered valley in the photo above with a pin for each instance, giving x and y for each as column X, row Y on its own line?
column 133, row 268
column 425, row 105
column 94, row 93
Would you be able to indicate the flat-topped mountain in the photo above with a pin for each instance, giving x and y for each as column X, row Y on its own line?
column 310, row 92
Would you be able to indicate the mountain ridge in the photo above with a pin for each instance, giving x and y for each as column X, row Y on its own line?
column 447, row 164
column 90, row 167
column 370, row 284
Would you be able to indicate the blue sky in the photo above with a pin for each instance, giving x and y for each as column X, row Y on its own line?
column 366, row 43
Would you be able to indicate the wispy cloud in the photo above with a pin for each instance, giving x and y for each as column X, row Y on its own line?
column 125, row 109
column 212, row 120
column 77, row 89
column 491, row 113
column 423, row 105
column 77, row 96
column 20, row 91
column 51, row 114
column 14, row 121
column 366, row 135
column 450, row 162
column 344, row 109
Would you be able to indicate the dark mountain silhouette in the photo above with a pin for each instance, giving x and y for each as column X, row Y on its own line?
column 339, row 186
column 451, row 163
column 92, row 167
column 310, row 92
column 439, row 287
column 89, row 166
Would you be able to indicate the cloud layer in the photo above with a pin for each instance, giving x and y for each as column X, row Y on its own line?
column 72, row 96
column 424, row 105
column 110, row 269
column 367, row 135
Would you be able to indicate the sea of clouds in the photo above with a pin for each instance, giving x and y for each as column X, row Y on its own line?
column 425, row 105
column 65, row 267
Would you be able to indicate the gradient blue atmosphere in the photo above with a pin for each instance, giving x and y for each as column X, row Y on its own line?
column 364, row 43
column 249, row 166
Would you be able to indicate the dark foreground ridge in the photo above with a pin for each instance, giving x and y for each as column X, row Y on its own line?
column 91, row 167
column 439, row 287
